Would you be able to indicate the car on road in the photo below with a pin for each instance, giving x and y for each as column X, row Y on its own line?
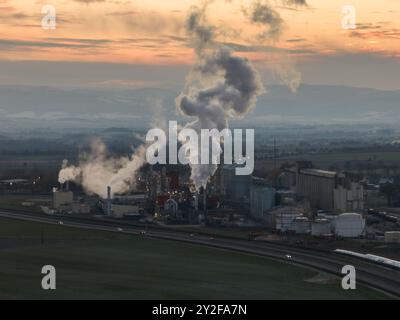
column 288, row 257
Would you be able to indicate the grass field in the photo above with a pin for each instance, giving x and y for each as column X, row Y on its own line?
column 102, row 265
column 324, row 160
column 14, row 202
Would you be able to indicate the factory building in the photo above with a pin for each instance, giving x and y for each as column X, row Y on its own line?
column 80, row 208
column 317, row 186
column 349, row 196
column 262, row 198
column 301, row 225
column 281, row 218
column 171, row 207
column 62, row 200
column 287, row 179
column 349, row 225
column 324, row 190
column 236, row 188
column 121, row 211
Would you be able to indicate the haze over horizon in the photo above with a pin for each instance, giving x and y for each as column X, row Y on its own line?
column 112, row 62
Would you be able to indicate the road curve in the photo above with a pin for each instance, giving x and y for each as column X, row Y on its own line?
column 370, row 274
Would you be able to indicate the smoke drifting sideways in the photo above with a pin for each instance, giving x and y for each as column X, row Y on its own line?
column 98, row 170
column 263, row 14
column 221, row 86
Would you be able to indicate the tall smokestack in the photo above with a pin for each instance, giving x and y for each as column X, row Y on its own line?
column 109, row 201
column 205, row 201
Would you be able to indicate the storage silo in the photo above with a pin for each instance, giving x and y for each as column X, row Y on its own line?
column 236, row 188
column 349, row 225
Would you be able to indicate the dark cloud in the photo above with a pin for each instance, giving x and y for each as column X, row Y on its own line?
column 295, row 2
column 121, row 13
column 376, row 33
column 296, row 40
column 265, row 48
column 14, row 43
column 263, row 14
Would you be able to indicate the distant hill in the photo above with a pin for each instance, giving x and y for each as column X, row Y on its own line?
column 329, row 103
column 25, row 107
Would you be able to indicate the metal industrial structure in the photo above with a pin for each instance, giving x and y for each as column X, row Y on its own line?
column 262, row 198
column 324, row 190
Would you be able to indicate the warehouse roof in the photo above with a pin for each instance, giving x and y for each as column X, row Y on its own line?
column 319, row 173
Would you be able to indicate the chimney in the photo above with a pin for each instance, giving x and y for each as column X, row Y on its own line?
column 109, row 201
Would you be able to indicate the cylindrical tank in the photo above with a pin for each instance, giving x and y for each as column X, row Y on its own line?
column 349, row 225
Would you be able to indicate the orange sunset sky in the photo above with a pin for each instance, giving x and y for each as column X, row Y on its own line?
column 151, row 32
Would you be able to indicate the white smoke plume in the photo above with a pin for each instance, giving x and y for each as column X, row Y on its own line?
column 220, row 87
column 98, row 170
column 263, row 14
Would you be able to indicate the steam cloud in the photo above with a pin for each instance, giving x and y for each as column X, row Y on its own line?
column 220, row 87
column 261, row 13
column 98, row 171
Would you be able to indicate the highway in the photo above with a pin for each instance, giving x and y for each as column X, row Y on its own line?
column 370, row 274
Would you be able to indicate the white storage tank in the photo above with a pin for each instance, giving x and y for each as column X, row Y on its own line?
column 349, row 225
column 321, row 227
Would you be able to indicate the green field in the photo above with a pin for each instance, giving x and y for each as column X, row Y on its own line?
column 103, row 265
column 14, row 202
column 325, row 160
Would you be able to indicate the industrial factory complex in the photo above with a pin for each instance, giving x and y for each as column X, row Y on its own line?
column 300, row 200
